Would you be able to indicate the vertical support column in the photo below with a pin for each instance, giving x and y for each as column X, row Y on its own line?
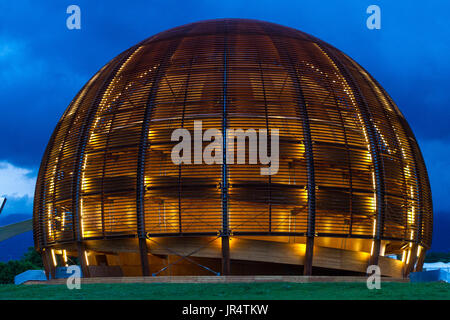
column 266, row 114
column 226, row 255
column 311, row 229
column 140, row 186
column 180, row 184
column 225, row 226
column 416, row 154
column 307, row 139
column 404, row 269
column 40, row 194
column 309, row 253
column 143, row 251
column 144, row 145
column 412, row 260
column 84, row 264
column 80, row 157
column 169, row 266
column 49, row 267
column 45, row 263
column 420, row 260
column 374, row 143
column 375, row 253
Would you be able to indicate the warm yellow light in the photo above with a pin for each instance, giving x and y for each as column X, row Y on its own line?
column 83, row 180
column 65, row 257
column 383, row 250
column 409, row 256
column 63, row 223
column 403, row 256
column 81, row 218
column 419, row 250
column 49, row 216
column 53, row 257
column 382, row 138
column 300, row 248
column 407, row 171
column 373, row 233
column 86, row 258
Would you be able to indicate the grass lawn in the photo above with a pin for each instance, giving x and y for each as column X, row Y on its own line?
column 213, row 291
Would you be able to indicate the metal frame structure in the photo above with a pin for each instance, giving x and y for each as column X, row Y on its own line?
column 2, row 203
column 351, row 174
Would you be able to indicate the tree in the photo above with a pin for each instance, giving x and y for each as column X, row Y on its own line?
column 30, row 260
column 33, row 257
column 437, row 257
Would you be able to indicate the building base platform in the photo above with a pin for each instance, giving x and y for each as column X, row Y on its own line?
column 218, row 279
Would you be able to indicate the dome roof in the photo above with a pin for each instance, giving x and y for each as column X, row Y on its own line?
column 349, row 163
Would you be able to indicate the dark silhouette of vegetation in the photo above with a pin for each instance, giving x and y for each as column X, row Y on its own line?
column 437, row 257
column 30, row 260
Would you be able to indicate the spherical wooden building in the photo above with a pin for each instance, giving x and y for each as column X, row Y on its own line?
column 351, row 189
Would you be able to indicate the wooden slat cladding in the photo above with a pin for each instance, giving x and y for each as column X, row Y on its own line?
column 349, row 164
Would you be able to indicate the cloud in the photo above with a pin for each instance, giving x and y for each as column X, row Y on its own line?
column 16, row 182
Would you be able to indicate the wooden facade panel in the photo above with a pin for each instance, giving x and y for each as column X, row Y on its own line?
column 349, row 165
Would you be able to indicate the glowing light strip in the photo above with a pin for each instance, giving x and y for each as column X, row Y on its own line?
column 64, row 257
column 63, row 223
column 53, row 257
column 86, row 258
column 50, row 229
column 373, row 234
column 411, row 209
column 349, row 92
column 81, row 218
column 103, row 103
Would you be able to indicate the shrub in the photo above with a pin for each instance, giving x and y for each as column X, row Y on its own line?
column 30, row 260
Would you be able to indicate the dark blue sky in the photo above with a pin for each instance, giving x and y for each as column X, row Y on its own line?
column 43, row 65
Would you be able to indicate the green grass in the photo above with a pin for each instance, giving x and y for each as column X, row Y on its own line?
column 260, row 291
